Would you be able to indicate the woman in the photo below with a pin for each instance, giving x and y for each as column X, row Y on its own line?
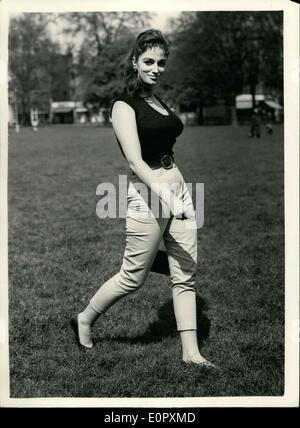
column 146, row 130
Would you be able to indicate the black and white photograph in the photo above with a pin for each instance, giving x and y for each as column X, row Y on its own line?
column 149, row 204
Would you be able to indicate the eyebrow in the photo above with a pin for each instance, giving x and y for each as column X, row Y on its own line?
column 162, row 59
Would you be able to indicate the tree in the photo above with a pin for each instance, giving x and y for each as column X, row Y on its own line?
column 218, row 54
column 207, row 62
column 105, row 39
column 30, row 59
column 99, row 29
column 263, row 59
column 101, row 74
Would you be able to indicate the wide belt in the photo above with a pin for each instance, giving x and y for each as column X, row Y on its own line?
column 166, row 162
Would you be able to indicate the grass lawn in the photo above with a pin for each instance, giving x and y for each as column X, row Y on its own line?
column 60, row 252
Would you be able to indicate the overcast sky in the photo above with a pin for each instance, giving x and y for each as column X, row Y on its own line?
column 159, row 22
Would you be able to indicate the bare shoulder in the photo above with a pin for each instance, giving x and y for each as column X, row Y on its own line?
column 121, row 107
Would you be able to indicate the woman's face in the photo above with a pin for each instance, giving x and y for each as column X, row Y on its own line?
column 150, row 65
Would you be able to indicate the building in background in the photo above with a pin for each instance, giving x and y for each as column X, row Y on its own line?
column 68, row 112
column 266, row 104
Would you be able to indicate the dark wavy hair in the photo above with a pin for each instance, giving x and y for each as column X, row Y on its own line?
column 144, row 41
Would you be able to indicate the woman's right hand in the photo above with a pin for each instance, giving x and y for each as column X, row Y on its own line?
column 182, row 211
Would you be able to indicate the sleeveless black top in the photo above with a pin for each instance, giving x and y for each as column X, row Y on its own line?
column 157, row 132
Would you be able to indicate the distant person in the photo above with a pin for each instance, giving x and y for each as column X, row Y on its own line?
column 255, row 124
column 269, row 123
column 34, row 118
column 146, row 130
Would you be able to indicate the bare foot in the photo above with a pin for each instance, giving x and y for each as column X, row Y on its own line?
column 198, row 359
column 84, row 332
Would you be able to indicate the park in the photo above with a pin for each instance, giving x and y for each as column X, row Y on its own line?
column 60, row 252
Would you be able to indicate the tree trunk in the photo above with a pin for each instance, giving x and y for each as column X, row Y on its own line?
column 253, row 91
column 199, row 114
column 24, row 110
column 234, row 120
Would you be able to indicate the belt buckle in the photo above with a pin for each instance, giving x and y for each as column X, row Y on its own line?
column 166, row 161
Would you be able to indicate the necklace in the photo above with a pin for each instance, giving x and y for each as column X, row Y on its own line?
column 149, row 100
column 156, row 107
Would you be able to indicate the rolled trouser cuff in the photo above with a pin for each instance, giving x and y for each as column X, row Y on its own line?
column 183, row 327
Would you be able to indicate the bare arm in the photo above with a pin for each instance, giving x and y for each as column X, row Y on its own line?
column 124, row 124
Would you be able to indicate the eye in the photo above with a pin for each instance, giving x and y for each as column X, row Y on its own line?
column 162, row 63
column 148, row 61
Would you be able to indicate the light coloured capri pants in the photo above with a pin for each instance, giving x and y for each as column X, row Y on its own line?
column 145, row 228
